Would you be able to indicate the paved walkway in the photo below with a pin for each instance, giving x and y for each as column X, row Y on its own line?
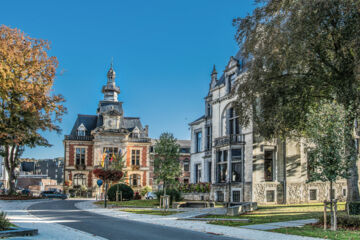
column 276, row 225
column 48, row 229
column 171, row 221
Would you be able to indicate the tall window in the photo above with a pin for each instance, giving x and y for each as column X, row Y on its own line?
column 186, row 165
column 79, row 180
column 135, row 157
column 209, row 171
column 236, row 165
column 197, row 173
column 221, row 166
column 234, row 126
column 236, row 196
column 110, row 150
column 208, row 137
column 208, row 109
column 198, row 142
column 135, row 180
column 269, row 165
column 80, row 156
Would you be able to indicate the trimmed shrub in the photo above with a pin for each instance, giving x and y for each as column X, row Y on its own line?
column 353, row 208
column 4, row 221
column 174, row 194
column 145, row 190
column 127, row 192
column 343, row 220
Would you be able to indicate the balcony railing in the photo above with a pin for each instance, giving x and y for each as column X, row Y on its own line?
column 208, row 153
column 139, row 139
column 79, row 138
column 230, row 139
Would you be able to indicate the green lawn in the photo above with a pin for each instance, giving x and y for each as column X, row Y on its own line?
column 133, row 203
column 276, row 213
column 313, row 231
column 151, row 212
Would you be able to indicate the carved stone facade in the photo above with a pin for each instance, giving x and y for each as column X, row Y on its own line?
column 242, row 166
column 108, row 132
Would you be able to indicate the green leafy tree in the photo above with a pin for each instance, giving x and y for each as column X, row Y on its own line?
column 166, row 163
column 325, row 144
column 297, row 53
column 27, row 103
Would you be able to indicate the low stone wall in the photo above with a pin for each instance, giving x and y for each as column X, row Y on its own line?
column 298, row 192
column 196, row 196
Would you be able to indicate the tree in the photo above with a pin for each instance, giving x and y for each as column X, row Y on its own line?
column 297, row 53
column 325, row 145
column 166, row 164
column 27, row 104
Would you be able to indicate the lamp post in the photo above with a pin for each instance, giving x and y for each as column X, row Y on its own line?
column 106, row 181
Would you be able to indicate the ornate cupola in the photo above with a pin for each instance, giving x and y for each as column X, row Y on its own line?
column 110, row 90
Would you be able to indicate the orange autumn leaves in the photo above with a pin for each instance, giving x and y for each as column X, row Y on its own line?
column 27, row 102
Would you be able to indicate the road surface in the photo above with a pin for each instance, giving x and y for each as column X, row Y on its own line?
column 65, row 213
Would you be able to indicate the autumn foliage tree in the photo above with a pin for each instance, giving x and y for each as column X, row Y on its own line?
column 27, row 103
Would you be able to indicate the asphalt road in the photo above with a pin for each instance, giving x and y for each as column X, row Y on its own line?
column 65, row 213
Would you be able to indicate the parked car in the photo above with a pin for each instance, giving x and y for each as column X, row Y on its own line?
column 52, row 194
column 26, row 192
column 150, row 195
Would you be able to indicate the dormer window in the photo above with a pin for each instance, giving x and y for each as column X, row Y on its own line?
column 81, row 131
column 231, row 81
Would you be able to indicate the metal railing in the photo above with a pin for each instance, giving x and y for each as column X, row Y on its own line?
column 79, row 138
column 226, row 140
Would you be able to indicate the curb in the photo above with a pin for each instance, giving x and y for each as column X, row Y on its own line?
column 15, row 232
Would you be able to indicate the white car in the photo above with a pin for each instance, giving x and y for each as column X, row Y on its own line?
column 150, row 195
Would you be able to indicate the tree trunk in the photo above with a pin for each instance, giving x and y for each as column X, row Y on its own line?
column 331, row 206
column 351, row 151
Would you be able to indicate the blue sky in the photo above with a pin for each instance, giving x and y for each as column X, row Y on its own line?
column 163, row 55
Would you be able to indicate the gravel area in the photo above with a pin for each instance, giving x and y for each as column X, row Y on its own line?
column 172, row 221
column 18, row 215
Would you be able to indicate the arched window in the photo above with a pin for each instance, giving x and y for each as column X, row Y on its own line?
column 79, row 179
column 135, row 180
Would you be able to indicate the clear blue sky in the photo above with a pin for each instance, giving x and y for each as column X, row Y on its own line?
column 163, row 54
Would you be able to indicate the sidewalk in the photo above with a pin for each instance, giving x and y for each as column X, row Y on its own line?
column 18, row 214
column 171, row 221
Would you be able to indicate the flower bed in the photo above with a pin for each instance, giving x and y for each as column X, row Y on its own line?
column 18, row 197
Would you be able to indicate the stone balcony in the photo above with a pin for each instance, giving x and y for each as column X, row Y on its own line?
column 233, row 139
column 142, row 140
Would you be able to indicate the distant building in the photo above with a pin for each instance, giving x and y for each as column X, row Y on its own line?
column 51, row 168
column 184, row 159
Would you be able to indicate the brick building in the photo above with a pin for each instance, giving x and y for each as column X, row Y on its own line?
column 111, row 132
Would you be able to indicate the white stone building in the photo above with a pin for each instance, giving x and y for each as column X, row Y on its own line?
column 240, row 165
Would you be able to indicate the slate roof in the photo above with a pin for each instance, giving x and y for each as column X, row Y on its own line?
column 92, row 121
column 89, row 121
column 200, row 118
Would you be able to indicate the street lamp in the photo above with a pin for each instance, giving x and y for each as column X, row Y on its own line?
column 106, row 181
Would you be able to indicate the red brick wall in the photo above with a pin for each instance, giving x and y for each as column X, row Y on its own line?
column 89, row 160
column 71, row 155
column 144, row 178
column 90, row 179
column 70, row 176
column 90, row 156
column 143, row 157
